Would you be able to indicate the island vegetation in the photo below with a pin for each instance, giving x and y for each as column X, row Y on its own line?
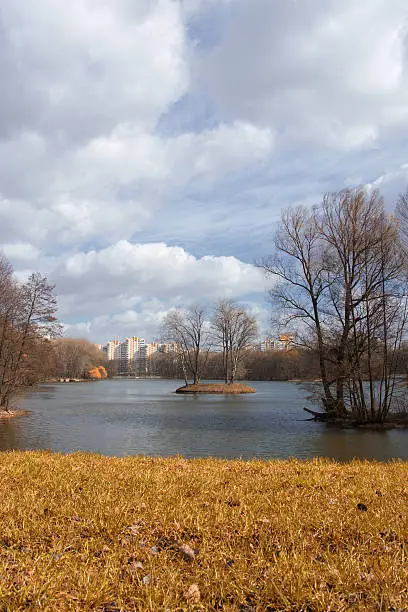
column 85, row 532
column 231, row 331
column 232, row 388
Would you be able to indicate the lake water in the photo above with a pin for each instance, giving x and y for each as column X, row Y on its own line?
column 133, row 417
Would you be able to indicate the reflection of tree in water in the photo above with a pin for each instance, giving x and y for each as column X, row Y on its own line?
column 16, row 434
column 347, row 444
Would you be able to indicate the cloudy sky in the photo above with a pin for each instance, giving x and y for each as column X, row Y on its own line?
column 148, row 146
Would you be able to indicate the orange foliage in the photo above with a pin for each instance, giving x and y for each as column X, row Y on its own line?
column 102, row 372
column 95, row 374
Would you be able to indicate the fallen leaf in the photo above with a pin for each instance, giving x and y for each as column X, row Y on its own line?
column 193, row 593
column 188, row 553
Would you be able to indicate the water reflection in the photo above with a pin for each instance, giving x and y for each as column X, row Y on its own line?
column 129, row 417
column 19, row 434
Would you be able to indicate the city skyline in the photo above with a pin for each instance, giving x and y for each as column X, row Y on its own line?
column 135, row 347
column 144, row 162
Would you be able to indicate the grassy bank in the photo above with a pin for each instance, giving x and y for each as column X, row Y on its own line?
column 84, row 532
column 233, row 388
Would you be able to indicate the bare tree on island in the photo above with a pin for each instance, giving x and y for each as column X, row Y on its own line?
column 189, row 329
column 339, row 280
column 234, row 330
column 27, row 326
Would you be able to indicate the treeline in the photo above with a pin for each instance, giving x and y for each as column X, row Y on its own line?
column 74, row 358
column 31, row 348
column 254, row 365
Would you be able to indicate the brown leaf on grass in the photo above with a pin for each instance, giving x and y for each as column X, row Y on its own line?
column 188, row 553
column 134, row 529
column 193, row 593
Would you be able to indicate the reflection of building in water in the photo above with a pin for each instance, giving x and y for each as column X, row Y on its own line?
column 283, row 343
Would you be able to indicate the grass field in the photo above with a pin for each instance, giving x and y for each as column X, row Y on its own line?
column 85, row 532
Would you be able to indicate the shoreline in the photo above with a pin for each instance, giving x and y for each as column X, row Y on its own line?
column 12, row 414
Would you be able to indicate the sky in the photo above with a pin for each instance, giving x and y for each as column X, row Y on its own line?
column 147, row 147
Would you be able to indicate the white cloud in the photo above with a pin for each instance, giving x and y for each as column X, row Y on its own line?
column 88, row 63
column 133, row 125
column 156, row 270
column 21, row 252
column 80, row 196
column 333, row 72
column 129, row 288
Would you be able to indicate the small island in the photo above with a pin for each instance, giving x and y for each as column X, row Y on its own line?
column 230, row 388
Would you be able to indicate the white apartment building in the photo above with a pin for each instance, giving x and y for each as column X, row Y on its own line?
column 148, row 350
column 284, row 343
column 112, row 349
column 130, row 348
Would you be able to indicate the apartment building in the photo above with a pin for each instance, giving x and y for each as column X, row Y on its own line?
column 148, row 350
column 169, row 347
column 112, row 349
column 134, row 354
column 283, row 343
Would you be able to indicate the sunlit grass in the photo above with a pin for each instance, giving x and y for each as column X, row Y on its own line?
column 85, row 532
column 233, row 388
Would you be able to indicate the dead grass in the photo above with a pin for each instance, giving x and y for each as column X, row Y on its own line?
column 86, row 532
column 234, row 388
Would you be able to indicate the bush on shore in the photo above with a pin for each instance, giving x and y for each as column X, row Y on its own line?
column 85, row 532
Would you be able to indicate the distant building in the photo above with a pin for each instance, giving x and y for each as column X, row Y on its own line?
column 170, row 347
column 134, row 354
column 148, row 350
column 112, row 349
column 284, row 343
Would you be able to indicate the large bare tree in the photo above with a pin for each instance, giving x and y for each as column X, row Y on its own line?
column 339, row 279
column 189, row 329
column 234, row 329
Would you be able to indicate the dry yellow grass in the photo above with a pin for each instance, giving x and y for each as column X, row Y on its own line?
column 233, row 388
column 85, row 532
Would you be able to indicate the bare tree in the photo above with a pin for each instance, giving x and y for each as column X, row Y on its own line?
column 300, row 283
column 339, row 278
column 233, row 330
column 190, row 330
column 402, row 216
column 27, row 323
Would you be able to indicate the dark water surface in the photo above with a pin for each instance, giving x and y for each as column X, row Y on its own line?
column 132, row 417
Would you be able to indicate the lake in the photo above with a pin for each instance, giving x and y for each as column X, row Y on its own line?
column 134, row 417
